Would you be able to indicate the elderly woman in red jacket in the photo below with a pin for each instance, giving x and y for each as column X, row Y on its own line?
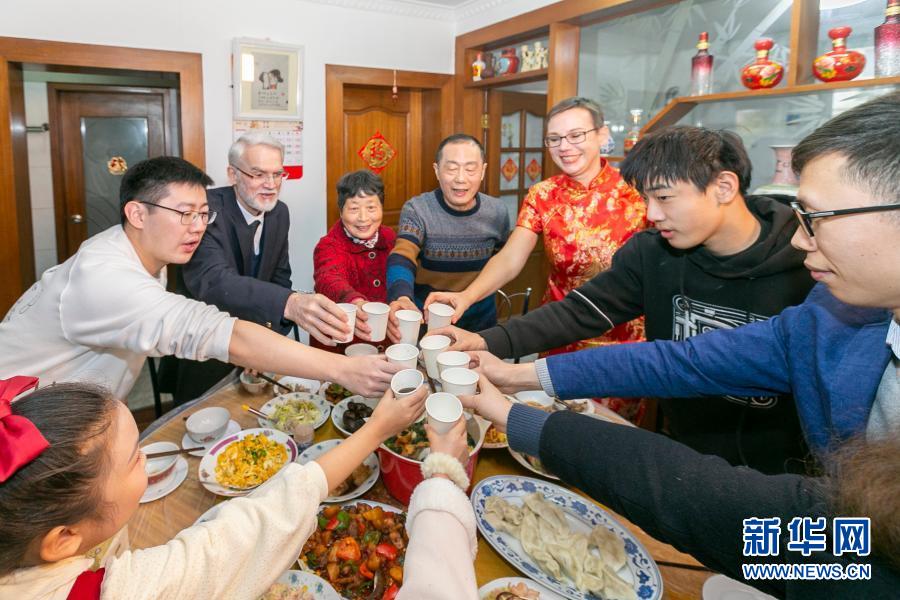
column 351, row 260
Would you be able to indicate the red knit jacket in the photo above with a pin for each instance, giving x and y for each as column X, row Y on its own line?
column 345, row 271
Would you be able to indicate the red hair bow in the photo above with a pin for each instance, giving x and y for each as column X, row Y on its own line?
column 20, row 441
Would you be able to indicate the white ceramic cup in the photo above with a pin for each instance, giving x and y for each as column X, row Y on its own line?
column 406, row 382
column 409, row 326
column 459, row 381
column 439, row 315
column 360, row 350
column 350, row 309
column 443, row 411
column 404, row 355
column 452, row 358
column 378, row 319
column 431, row 346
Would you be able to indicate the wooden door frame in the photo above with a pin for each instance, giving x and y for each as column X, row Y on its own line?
column 336, row 77
column 170, row 142
column 16, row 256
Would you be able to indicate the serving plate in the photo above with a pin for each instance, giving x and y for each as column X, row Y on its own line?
column 269, row 407
column 207, row 468
column 371, row 461
column 582, row 515
column 337, row 412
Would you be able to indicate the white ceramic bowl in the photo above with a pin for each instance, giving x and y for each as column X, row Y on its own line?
column 254, row 385
column 158, row 469
column 207, row 424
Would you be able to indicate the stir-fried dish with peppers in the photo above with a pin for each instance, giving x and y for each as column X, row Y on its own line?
column 412, row 442
column 352, row 543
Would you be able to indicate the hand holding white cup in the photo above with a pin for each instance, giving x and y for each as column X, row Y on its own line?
column 409, row 321
column 439, row 315
column 407, row 382
column 377, row 313
column 443, row 410
column 459, row 381
column 405, row 355
column 431, row 346
column 451, row 358
column 350, row 310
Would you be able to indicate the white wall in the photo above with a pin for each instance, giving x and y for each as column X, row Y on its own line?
column 330, row 34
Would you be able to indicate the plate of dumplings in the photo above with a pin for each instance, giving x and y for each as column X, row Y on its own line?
column 563, row 541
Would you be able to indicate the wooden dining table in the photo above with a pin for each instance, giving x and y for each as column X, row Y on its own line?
column 157, row 522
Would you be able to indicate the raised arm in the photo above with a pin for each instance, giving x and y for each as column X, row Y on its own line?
column 500, row 270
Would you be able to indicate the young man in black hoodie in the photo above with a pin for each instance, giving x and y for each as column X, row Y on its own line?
column 717, row 259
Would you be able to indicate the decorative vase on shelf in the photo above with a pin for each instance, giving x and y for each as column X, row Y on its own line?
column 839, row 64
column 701, row 68
column 508, row 63
column 634, row 133
column 762, row 73
column 478, row 67
column 887, row 42
column 489, row 62
column 784, row 181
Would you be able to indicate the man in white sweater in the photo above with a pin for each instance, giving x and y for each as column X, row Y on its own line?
column 97, row 316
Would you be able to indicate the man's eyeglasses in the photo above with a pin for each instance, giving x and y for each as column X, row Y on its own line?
column 575, row 137
column 188, row 217
column 806, row 218
column 275, row 177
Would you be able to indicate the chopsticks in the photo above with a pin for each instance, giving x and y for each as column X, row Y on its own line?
column 174, row 452
column 273, row 381
column 255, row 412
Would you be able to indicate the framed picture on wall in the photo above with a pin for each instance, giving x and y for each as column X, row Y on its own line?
column 268, row 80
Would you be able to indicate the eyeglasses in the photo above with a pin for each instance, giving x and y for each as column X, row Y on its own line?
column 188, row 217
column 575, row 137
column 806, row 218
column 275, row 177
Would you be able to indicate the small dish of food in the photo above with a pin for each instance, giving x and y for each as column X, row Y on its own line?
column 351, row 413
column 360, row 481
column 245, row 460
column 355, row 541
column 252, row 383
column 535, row 398
column 296, row 384
column 515, row 588
column 300, row 585
column 494, row 438
column 335, row 392
column 288, row 410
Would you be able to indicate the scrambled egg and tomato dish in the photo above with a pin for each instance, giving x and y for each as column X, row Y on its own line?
column 250, row 461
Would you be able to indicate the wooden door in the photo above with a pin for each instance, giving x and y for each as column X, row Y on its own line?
column 517, row 161
column 390, row 136
column 97, row 133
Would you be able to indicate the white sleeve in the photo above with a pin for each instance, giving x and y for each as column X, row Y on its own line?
column 442, row 544
column 116, row 304
column 238, row 554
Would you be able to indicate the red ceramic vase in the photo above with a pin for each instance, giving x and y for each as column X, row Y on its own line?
column 839, row 64
column 763, row 73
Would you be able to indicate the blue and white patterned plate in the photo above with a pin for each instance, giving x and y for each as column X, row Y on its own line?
column 315, row 585
column 321, row 403
column 317, row 450
column 583, row 515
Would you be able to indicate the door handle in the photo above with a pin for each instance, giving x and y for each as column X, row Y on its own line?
column 76, row 218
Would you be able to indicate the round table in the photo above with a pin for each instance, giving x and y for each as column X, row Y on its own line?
column 157, row 522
